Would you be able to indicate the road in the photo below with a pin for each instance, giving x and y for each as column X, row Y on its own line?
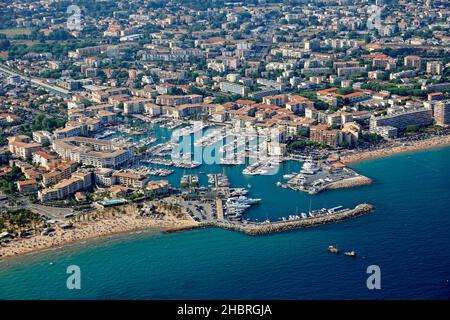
column 60, row 91
column 51, row 212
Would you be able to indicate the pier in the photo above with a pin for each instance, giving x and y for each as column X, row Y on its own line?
column 316, row 176
column 267, row 227
column 219, row 208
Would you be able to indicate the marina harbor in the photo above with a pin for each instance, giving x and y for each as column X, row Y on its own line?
column 254, row 150
column 315, row 177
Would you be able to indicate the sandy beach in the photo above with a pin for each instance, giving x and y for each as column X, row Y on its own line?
column 120, row 223
column 435, row 142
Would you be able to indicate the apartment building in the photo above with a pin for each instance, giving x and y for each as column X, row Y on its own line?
column 61, row 171
column 172, row 100
column 71, row 130
column 387, row 132
column 414, row 62
column 338, row 118
column 43, row 159
column 157, row 187
column 95, row 152
column 351, row 132
column 22, row 146
column 324, row 135
column 153, row 110
column 27, row 186
column 298, row 104
column 442, row 113
column 401, row 119
column 234, row 88
column 435, row 67
column 135, row 105
column 187, row 111
column 104, row 177
column 130, row 179
column 42, row 136
column 105, row 116
column 350, row 70
column 79, row 180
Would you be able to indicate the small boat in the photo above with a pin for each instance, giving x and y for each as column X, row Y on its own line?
column 332, row 249
column 350, row 253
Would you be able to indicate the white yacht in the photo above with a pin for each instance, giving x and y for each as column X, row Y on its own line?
column 309, row 167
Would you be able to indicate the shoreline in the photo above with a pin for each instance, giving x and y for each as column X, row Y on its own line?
column 101, row 229
column 78, row 242
column 421, row 145
column 124, row 223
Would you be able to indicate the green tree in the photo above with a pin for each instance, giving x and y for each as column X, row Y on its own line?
column 142, row 149
column 412, row 128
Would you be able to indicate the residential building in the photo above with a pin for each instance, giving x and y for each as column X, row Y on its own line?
column 22, row 146
column 324, row 135
column 442, row 113
column 351, row 132
column 95, row 152
column 130, row 179
column 27, row 186
column 171, row 100
column 58, row 172
column 414, row 62
column 80, row 180
column 402, row 119
column 435, row 67
column 43, row 159
column 387, row 132
column 234, row 88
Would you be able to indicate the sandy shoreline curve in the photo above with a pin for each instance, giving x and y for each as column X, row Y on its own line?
column 426, row 144
column 119, row 224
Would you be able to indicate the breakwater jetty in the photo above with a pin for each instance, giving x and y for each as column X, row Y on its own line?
column 267, row 227
column 349, row 183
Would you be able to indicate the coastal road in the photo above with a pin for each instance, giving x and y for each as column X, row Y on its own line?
column 60, row 91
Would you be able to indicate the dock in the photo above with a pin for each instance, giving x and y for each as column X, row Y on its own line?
column 318, row 178
column 219, row 208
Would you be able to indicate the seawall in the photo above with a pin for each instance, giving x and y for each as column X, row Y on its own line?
column 349, row 183
column 263, row 228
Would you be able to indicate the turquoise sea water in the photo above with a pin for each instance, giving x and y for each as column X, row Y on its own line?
column 408, row 237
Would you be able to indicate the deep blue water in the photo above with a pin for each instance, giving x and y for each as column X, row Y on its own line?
column 407, row 237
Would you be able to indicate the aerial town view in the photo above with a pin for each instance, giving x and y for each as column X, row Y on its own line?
column 224, row 149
